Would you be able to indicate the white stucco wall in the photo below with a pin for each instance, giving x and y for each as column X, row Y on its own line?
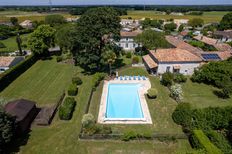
column 185, row 68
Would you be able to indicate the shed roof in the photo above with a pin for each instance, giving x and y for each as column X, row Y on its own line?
column 149, row 61
column 6, row 61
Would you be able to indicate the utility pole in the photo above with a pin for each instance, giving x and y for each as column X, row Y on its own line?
column 50, row 5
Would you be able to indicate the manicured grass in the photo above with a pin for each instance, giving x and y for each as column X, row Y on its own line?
column 62, row 136
column 44, row 82
column 214, row 16
column 11, row 44
column 201, row 95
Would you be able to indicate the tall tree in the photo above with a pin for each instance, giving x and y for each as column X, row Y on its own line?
column 19, row 43
column 95, row 28
column 7, row 129
column 55, row 19
column 226, row 22
column 151, row 39
column 196, row 22
column 14, row 21
column 170, row 27
column 42, row 39
column 109, row 58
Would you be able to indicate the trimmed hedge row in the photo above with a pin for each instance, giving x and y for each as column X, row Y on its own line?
column 67, row 108
column 10, row 75
column 72, row 90
column 199, row 140
column 97, row 78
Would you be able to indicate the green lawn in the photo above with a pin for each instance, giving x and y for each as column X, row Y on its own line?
column 11, row 44
column 214, row 16
column 44, row 82
column 201, row 95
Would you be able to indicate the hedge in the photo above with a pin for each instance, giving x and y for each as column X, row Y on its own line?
column 152, row 93
column 76, row 80
column 10, row 75
column 72, row 90
column 67, row 108
column 97, row 78
column 201, row 141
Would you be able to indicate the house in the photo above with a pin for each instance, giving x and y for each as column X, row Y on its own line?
column 173, row 60
column 27, row 24
column 8, row 62
column 177, row 14
column 125, row 22
column 24, row 111
column 72, row 19
column 214, row 42
column 179, row 22
column 127, row 40
column 223, row 36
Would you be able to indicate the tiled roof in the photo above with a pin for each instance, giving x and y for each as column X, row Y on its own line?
column 182, row 45
column 6, row 61
column 149, row 61
column 174, row 55
column 130, row 34
column 225, row 55
column 227, row 34
column 218, row 45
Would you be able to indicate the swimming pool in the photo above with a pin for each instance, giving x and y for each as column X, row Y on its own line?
column 123, row 102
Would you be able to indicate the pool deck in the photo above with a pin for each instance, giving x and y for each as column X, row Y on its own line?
column 142, row 91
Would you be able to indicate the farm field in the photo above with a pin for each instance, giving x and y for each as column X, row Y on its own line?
column 43, row 83
column 21, row 15
column 11, row 44
column 214, row 16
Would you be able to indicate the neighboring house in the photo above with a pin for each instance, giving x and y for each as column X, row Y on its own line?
column 179, row 22
column 223, row 36
column 171, row 60
column 27, row 24
column 71, row 19
column 214, row 42
column 157, row 29
column 125, row 22
column 24, row 111
column 8, row 62
column 177, row 14
column 127, row 40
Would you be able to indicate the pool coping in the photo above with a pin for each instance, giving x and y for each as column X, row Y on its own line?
column 142, row 91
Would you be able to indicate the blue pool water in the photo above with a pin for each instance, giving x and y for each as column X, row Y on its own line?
column 123, row 101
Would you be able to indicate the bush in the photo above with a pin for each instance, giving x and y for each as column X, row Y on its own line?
column 135, row 60
column 129, row 136
column 152, row 93
column 219, row 140
column 97, row 78
column 72, row 90
column 10, row 75
column 178, row 78
column 59, row 58
column 176, row 92
column 199, row 140
column 67, row 108
column 76, row 80
column 128, row 54
column 2, row 45
column 182, row 115
column 88, row 120
column 103, row 129
column 167, row 79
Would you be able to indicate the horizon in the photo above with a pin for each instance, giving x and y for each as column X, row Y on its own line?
column 112, row 2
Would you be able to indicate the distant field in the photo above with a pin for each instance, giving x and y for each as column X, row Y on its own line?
column 44, row 83
column 11, row 44
column 214, row 16
column 21, row 15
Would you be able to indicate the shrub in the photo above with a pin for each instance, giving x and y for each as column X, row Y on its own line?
column 10, row 75
column 88, row 120
column 179, row 78
column 76, row 80
column 219, row 140
column 97, row 79
column 182, row 115
column 128, row 54
column 147, row 135
column 59, row 58
column 130, row 135
column 2, row 45
column 135, row 60
column 152, row 93
column 176, row 92
column 199, row 140
column 72, row 90
column 167, row 79
column 104, row 129
column 67, row 108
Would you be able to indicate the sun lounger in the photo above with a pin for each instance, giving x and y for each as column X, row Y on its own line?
column 134, row 77
column 130, row 77
column 143, row 77
column 120, row 77
column 125, row 77
column 139, row 78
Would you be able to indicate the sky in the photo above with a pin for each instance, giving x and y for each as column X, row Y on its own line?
column 114, row 2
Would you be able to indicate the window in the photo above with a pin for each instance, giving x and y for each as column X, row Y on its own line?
column 119, row 45
column 126, row 45
column 176, row 70
column 168, row 69
column 134, row 45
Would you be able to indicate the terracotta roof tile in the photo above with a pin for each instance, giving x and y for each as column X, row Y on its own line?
column 174, row 55
column 149, row 61
column 6, row 61
column 130, row 34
